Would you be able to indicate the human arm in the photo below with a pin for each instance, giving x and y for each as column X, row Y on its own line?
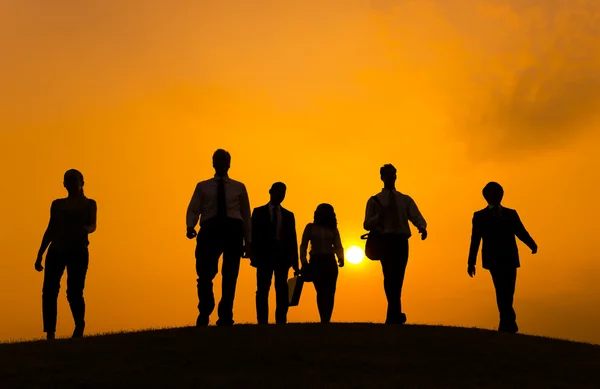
column 474, row 247
column 193, row 211
column 247, row 219
column 523, row 235
column 373, row 215
column 415, row 217
column 294, row 240
column 92, row 213
column 338, row 248
column 304, row 244
column 47, row 238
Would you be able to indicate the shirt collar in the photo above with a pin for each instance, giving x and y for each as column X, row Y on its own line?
column 490, row 206
column 225, row 178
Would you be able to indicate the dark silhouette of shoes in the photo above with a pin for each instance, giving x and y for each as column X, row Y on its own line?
column 202, row 321
column 50, row 336
column 78, row 332
column 225, row 323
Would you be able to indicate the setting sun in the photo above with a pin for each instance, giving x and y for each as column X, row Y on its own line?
column 355, row 255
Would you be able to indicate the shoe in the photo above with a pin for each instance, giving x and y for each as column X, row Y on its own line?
column 225, row 323
column 510, row 328
column 78, row 332
column 202, row 321
column 50, row 336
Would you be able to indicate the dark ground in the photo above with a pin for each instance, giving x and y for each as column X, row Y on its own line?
column 302, row 356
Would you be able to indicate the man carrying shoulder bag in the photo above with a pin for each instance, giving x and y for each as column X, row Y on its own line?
column 386, row 218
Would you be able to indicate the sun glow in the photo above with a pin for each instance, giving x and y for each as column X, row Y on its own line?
column 355, row 255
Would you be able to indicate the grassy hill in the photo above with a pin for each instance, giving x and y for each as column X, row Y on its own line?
column 302, row 356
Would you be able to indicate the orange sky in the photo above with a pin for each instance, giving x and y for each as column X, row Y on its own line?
column 317, row 94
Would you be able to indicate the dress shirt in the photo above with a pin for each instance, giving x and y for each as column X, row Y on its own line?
column 407, row 211
column 203, row 204
column 277, row 208
column 322, row 241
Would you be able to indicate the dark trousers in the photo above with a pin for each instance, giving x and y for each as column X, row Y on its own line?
column 264, row 276
column 394, row 259
column 324, row 269
column 76, row 263
column 216, row 238
column 505, row 280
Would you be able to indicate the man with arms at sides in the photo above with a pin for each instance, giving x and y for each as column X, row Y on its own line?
column 388, row 213
column 497, row 226
column 275, row 250
column 223, row 207
column 71, row 220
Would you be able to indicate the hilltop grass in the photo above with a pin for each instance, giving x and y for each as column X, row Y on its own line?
column 302, row 356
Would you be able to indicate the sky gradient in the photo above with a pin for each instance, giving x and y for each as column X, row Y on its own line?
column 317, row 94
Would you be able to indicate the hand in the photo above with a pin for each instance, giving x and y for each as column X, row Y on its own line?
column 191, row 233
column 341, row 262
column 471, row 271
column 296, row 271
column 534, row 249
column 304, row 262
column 423, row 233
column 38, row 264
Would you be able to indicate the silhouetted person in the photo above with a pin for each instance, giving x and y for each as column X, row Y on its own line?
column 497, row 226
column 71, row 220
column 388, row 213
column 223, row 207
column 275, row 250
column 325, row 244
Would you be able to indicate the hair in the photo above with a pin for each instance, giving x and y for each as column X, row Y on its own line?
column 387, row 167
column 325, row 216
column 278, row 185
column 222, row 153
column 491, row 189
column 74, row 174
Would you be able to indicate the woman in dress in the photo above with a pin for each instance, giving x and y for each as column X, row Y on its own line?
column 325, row 244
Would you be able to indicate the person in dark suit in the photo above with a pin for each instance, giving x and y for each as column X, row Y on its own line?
column 497, row 227
column 275, row 251
column 72, row 219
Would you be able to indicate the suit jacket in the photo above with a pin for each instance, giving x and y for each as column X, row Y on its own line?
column 265, row 250
column 498, row 234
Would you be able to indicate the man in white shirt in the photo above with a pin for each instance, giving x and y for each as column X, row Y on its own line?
column 223, row 207
column 388, row 214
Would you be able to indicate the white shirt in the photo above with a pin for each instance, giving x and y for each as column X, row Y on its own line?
column 278, row 227
column 203, row 204
column 407, row 211
column 322, row 241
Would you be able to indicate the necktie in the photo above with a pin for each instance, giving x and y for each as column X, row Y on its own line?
column 221, row 203
column 393, row 205
column 274, row 220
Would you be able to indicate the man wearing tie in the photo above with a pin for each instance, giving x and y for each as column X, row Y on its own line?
column 223, row 207
column 497, row 226
column 275, row 251
column 388, row 213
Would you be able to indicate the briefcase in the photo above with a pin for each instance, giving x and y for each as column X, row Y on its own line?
column 295, row 285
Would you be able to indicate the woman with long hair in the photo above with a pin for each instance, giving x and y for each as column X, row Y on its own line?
column 71, row 220
column 325, row 244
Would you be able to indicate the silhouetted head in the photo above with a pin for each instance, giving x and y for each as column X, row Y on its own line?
column 325, row 216
column 73, row 182
column 493, row 193
column 388, row 175
column 277, row 193
column 221, row 162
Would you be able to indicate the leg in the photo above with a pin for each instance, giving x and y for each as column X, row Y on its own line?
column 264, row 275
column 331, row 282
column 208, row 251
column 281, row 295
column 231, row 267
column 77, row 267
column 393, row 265
column 504, row 283
column 53, row 272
